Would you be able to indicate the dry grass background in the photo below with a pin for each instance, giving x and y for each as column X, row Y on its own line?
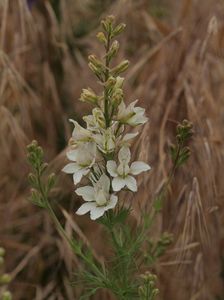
column 177, row 70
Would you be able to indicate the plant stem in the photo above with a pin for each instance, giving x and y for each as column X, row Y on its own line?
column 107, row 73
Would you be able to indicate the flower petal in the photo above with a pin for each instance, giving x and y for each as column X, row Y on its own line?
column 112, row 168
column 72, row 154
column 77, row 176
column 118, row 183
column 129, row 136
column 139, row 166
column 97, row 212
column 71, row 168
column 104, row 183
column 86, row 207
column 124, row 155
column 131, row 183
column 86, row 192
column 112, row 202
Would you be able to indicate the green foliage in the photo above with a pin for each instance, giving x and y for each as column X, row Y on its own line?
column 156, row 249
column 179, row 151
column 40, row 188
column 148, row 291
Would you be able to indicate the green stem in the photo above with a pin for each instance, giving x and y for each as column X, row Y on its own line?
column 107, row 73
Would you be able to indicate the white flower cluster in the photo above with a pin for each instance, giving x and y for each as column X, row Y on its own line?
column 101, row 150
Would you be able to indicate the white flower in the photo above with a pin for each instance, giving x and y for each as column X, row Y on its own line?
column 83, row 157
column 98, row 198
column 96, row 121
column 80, row 134
column 131, row 115
column 121, row 173
column 105, row 140
column 126, row 139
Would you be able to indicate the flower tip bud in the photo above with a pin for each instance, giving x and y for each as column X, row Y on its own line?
column 32, row 145
column 101, row 37
column 119, row 29
column 110, row 18
column 120, row 68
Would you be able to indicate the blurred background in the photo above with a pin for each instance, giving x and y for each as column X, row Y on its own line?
column 176, row 50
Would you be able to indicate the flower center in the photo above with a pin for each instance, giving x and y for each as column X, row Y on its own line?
column 101, row 198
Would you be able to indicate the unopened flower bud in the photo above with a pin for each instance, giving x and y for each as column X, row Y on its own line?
column 101, row 37
column 99, row 117
column 113, row 49
column 117, row 97
column 96, row 62
column 32, row 146
column 107, row 24
column 119, row 83
column 155, row 292
column 51, row 180
column 120, row 68
column 141, row 290
column 95, row 70
column 110, row 19
column 111, row 82
column 32, row 179
column 89, row 96
column 118, row 29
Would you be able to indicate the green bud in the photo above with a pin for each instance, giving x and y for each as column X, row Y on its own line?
column 120, row 68
column 99, row 117
column 155, row 292
column 117, row 97
column 32, row 146
column 96, row 62
column 101, row 37
column 39, row 150
column 111, row 82
column 95, row 70
column 120, row 82
column 141, row 291
column 107, row 24
column 32, row 179
column 110, row 19
column 186, row 123
column 5, row 279
column 35, row 196
column 118, row 29
column 2, row 251
column 6, row 296
column 51, row 180
column 89, row 96
column 113, row 50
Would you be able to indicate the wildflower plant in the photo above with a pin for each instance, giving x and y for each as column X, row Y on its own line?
column 101, row 150
column 99, row 154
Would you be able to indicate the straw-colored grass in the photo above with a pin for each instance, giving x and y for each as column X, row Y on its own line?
column 177, row 72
